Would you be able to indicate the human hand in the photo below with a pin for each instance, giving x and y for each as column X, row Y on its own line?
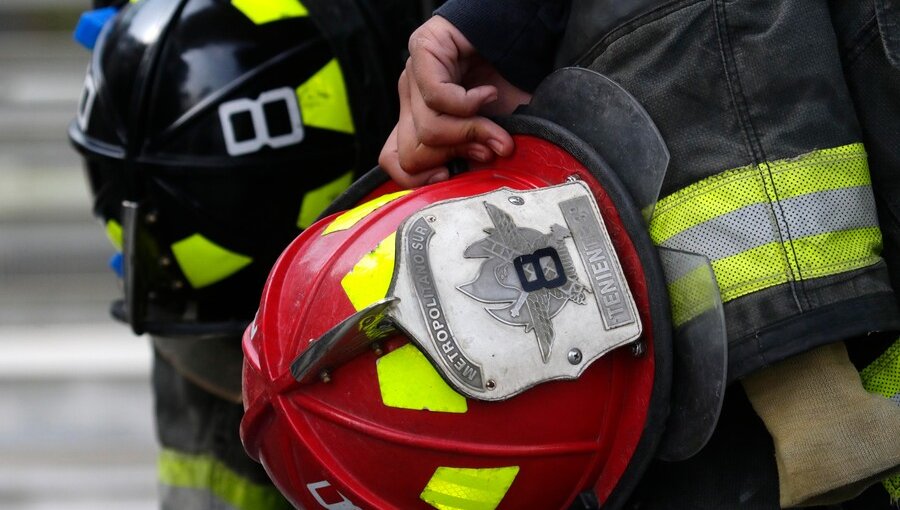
column 444, row 88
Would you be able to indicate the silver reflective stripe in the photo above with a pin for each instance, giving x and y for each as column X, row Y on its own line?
column 830, row 211
column 753, row 226
column 184, row 498
column 677, row 264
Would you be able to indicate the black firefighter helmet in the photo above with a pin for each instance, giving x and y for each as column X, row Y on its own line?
column 214, row 131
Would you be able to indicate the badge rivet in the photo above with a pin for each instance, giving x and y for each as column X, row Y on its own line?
column 325, row 376
column 490, row 384
column 165, row 262
column 150, row 218
column 573, row 178
column 514, row 200
column 430, row 219
column 575, row 356
column 377, row 349
column 177, row 285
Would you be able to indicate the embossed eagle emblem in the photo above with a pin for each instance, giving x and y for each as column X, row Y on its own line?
column 530, row 273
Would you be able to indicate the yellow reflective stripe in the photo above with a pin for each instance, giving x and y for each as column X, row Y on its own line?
column 265, row 11
column 114, row 233
column 315, row 201
column 892, row 486
column 370, row 278
column 204, row 262
column 349, row 218
column 408, row 381
column 705, row 200
column 811, row 257
column 204, row 472
column 751, row 271
column 689, row 295
column 822, row 170
column 758, row 215
column 323, row 100
column 882, row 377
column 836, row 252
column 468, row 489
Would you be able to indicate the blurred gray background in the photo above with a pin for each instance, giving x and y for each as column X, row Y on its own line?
column 76, row 429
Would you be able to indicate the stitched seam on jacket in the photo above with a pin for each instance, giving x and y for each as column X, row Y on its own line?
column 751, row 138
column 860, row 42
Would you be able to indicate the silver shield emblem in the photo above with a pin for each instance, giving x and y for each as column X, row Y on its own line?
column 509, row 289
column 529, row 273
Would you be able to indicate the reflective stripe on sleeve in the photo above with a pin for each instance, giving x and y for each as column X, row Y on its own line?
column 781, row 221
column 196, row 477
column 691, row 293
column 882, row 376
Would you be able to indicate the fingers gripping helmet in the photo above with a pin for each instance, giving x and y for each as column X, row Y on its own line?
column 225, row 128
column 499, row 340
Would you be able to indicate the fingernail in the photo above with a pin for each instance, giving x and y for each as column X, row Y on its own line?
column 438, row 177
column 479, row 154
column 495, row 146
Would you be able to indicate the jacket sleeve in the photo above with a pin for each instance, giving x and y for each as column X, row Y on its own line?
column 519, row 37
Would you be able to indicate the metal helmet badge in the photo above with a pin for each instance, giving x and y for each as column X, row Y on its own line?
column 534, row 276
column 525, row 269
column 498, row 333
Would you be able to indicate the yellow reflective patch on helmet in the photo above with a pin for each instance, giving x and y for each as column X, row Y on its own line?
column 265, row 11
column 114, row 233
column 315, row 201
column 409, row 381
column 349, row 218
column 468, row 489
column 370, row 278
column 204, row 262
column 323, row 100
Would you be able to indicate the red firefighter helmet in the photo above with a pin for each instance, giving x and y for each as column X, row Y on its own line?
column 468, row 344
